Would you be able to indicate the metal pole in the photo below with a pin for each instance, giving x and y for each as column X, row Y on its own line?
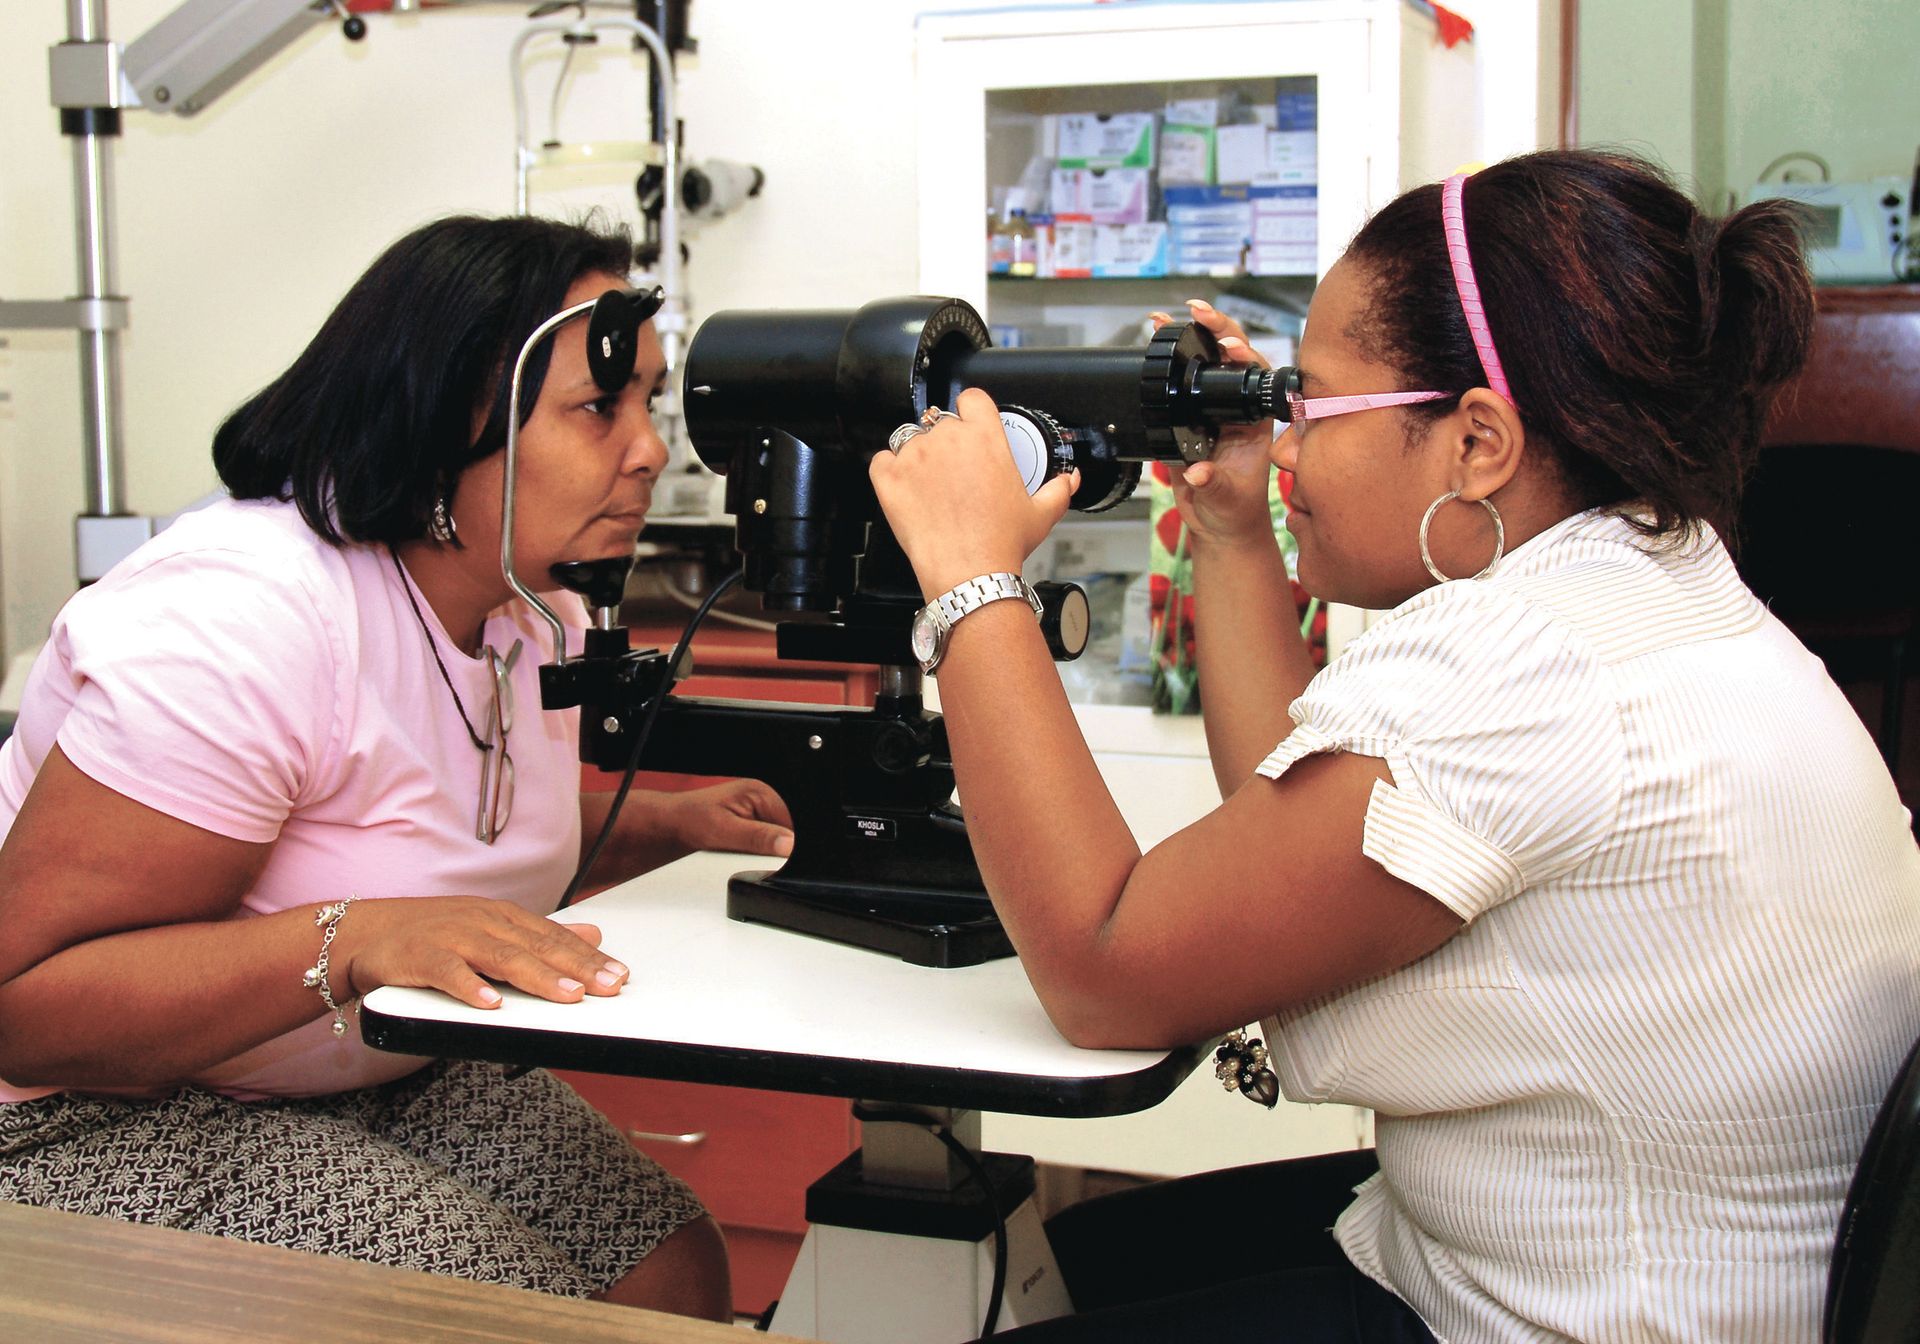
column 93, row 132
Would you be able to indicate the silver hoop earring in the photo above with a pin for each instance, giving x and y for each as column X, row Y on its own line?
column 1499, row 536
column 441, row 529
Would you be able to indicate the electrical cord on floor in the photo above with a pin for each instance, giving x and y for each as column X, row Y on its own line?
column 640, row 738
column 971, row 1160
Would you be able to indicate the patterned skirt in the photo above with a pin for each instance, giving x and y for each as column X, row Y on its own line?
column 457, row 1169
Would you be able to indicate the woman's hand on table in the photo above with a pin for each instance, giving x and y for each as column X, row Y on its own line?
column 956, row 502
column 1223, row 500
column 457, row 943
column 741, row 816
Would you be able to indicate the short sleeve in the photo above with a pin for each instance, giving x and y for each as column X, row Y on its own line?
column 205, row 687
column 1501, row 729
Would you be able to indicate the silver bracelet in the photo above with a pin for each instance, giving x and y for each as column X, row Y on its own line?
column 328, row 918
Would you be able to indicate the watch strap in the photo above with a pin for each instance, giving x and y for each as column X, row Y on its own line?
column 976, row 593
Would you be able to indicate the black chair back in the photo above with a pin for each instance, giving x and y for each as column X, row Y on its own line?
column 1873, row 1289
column 1824, row 529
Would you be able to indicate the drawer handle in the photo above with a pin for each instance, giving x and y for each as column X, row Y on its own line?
column 691, row 1140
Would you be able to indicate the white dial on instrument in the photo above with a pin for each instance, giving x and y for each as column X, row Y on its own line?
column 1032, row 448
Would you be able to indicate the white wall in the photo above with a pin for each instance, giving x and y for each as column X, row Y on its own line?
column 1636, row 78
column 1716, row 89
column 1516, row 46
column 238, row 229
column 1840, row 78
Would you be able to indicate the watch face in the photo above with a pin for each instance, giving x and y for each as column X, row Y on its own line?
column 925, row 637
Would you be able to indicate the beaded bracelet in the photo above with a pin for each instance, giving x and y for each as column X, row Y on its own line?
column 328, row 918
column 1241, row 1066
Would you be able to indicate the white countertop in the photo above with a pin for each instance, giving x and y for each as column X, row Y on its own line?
column 708, row 988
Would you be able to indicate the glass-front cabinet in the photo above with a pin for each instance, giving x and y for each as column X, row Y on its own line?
column 1115, row 196
column 1083, row 165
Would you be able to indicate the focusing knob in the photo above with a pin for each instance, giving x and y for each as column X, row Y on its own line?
column 1120, row 480
column 1275, row 406
column 1175, row 355
column 1066, row 619
column 1041, row 448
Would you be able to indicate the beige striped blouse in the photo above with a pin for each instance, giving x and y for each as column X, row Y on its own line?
column 1624, row 1102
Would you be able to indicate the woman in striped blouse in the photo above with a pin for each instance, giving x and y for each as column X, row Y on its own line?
column 1575, row 867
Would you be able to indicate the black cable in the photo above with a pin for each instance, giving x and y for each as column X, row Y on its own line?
column 640, row 738
column 997, row 1293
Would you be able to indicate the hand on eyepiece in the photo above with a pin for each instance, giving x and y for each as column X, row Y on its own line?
column 1224, row 499
column 956, row 502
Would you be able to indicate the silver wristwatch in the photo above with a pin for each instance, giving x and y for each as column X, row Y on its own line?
column 932, row 622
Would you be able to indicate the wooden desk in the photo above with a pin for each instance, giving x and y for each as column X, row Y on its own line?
column 1861, row 385
column 1827, row 523
column 64, row 1277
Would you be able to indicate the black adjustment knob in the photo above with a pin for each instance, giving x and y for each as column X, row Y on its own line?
column 1275, row 407
column 1066, row 619
column 601, row 582
column 354, row 27
column 613, row 333
column 898, row 748
column 1106, row 484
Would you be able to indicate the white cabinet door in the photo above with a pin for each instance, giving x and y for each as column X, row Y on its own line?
column 963, row 59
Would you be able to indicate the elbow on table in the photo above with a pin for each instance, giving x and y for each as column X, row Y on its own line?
column 1096, row 1018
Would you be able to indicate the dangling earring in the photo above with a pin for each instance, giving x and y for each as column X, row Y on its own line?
column 1499, row 536
column 441, row 529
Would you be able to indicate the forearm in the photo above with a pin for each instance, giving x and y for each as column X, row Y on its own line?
column 1252, row 659
column 1053, row 849
column 151, row 1007
column 643, row 837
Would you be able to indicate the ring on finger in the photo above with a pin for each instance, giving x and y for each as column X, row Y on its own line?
column 933, row 415
column 898, row 439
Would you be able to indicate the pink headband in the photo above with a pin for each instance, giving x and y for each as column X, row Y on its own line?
column 1454, row 221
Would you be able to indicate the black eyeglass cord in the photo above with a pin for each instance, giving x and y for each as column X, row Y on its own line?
column 433, row 647
column 720, row 589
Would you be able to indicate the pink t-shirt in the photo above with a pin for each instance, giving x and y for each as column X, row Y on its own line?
column 242, row 675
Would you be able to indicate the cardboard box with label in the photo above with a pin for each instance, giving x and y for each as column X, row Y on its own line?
column 1130, row 249
column 1106, row 140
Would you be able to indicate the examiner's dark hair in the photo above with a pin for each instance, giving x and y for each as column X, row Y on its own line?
column 375, row 419
column 1643, row 340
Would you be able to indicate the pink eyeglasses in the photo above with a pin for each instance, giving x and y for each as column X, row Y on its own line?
column 1301, row 408
column 1453, row 223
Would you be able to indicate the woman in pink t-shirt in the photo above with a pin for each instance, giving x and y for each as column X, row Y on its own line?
column 267, row 735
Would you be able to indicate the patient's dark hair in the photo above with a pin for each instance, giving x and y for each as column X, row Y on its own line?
column 1643, row 340
column 375, row 419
